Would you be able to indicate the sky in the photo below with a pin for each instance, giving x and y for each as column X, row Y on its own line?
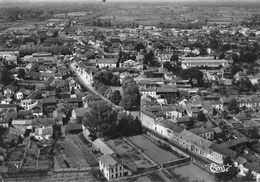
column 121, row 0
column 11, row 1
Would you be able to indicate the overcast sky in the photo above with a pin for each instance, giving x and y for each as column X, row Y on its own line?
column 10, row 1
column 119, row 0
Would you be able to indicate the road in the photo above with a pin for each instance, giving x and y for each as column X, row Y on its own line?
column 89, row 86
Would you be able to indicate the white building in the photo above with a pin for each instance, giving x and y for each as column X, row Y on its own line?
column 189, row 62
column 111, row 168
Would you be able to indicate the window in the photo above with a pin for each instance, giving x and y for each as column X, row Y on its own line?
column 112, row 176
column 112, row 170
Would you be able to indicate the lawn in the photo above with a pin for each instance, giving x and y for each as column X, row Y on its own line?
column 153, row 151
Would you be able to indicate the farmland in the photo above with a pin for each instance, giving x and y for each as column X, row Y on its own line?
column 74, row 153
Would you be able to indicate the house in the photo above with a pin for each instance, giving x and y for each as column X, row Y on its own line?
column 78, row 114
column 164, row 56
column 106, row 62
column 203, row 132
column 112, row 168
column 22, row 93
column 43, row 132
column 48, row 105
column 9, row 89
column 252, row 101
column 194, row 143
column 28, row 104
column 73, row 83
column 90, row 98
column 73, row 128
column 11, row 59
column 189, row 62
column 7, row 100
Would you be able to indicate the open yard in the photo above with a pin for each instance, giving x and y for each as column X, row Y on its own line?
column 153, row 151
column 132, row 158
column 192, row 173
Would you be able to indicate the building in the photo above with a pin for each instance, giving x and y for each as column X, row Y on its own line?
column 112, row 168
column 189, row 62
column 106, row 62
column 203, row 132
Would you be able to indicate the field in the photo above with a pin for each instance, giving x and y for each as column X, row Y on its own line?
column 74, row 153
column 132, row 158
column 150, row 149
column 192, row 172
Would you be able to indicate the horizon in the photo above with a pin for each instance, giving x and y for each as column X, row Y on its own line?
column 125, row 1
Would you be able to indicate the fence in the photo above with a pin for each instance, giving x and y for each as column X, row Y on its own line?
column 175, row 149
column 147, row 169
column 176, row 162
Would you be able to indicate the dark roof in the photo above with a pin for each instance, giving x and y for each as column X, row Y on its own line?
column 7, row 106
column 49, row 101
column 170, row 125
column 11, row 87
column 184, row 119
column 73, row 127
column 234, row 142
column 224, row 151
column 253, row 166
column 151, row 115
column 75, row 99
column 200, row 130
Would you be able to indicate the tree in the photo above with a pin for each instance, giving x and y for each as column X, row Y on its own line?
column 115, row 97
column 20, row 73
column 230, row 173
column 129, row 125
column 139, row 46
column 222, row 56
column 131, row 96
column 244, row 84
column 192, row 73
column 202, row 117
column 235, row 68
column 174, row 58
column 233, row 106
column 5, row 77
column 149, row 59
column 106, row 77
column 101, row 119
column 168, row 66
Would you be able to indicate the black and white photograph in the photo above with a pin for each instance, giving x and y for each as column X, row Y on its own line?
column 130, row 90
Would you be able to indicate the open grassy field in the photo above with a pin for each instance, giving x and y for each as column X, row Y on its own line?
column 153, row 151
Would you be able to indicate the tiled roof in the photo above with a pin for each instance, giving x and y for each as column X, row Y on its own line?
column 108, row 160
column 102, row 146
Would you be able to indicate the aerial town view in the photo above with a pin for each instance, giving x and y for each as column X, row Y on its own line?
column 129, row 90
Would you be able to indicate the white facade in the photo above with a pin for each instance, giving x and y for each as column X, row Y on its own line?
column 111, row 169
column 19, row 95
column 189, row 62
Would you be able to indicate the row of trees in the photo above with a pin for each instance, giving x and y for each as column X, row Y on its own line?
column 103, row 79
column 130, row 100
column 104, row 120
column 131, row 96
